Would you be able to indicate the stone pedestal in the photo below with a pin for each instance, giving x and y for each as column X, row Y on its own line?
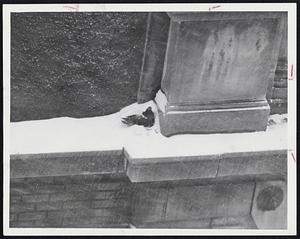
column 217, row 70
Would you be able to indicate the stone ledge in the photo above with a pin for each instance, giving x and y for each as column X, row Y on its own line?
column 209, row 166
column 244, row 164
column 62, row 164
column 267, row 162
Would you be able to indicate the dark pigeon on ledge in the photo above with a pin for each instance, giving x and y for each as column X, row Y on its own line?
column 146, row 119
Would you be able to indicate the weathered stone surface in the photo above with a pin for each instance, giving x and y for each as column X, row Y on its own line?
column 94, row 222
column 281, row 83
column 214, row 121
column 284, row 45
column 74, row 64
column 24, row 224
column 154, row 56
column 270, row 198
column 66, row 164
column 270, row 219
column 234, row 58
column 28, row 216
column 233, row 165
column 69, row 196
column 219, row 72
column 186, row 224
column 269, row 162
column 91, row 168
column 14, row 199
column 110, row 194
column 76, row 204
column 13, row 217
column 149, row 204
column 21, row 207
column 279, row 93
column 88, row 179
column 110, row 203
column 36, row 198
column 176, row 168
column 63, row 206
column 25, row 188
column 245, row 222
column 219, row 200
column 278, row 106
column 48, row 206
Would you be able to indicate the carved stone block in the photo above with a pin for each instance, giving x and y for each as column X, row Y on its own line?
column 217, row 70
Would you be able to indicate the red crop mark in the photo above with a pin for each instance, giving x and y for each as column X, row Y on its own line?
column 72, row 8
column 292, row 72
column 214, row 7
column 293, row 156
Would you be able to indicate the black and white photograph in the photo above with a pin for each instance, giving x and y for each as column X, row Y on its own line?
column 145, row 116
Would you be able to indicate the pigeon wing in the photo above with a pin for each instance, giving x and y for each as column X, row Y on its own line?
column 132, row 120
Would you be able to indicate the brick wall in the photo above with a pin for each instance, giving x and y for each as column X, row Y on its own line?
column 70, row 201
column 278, row 97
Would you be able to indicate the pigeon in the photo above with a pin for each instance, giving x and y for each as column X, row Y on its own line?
column 146, row 119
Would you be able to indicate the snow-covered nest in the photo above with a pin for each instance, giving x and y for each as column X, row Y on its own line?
column 108, row 133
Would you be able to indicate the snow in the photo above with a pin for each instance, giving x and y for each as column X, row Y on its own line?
column 108, row 133
column 161, row 100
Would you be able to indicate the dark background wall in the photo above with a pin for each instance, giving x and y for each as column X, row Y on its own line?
column 74, row 64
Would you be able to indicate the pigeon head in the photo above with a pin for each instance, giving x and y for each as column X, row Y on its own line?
column 148, row 112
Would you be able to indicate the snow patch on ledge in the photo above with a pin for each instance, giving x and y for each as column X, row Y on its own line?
column 108, row 133
column 161, row 101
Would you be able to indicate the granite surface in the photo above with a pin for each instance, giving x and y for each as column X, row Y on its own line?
column 74, row 64
column 154, row 56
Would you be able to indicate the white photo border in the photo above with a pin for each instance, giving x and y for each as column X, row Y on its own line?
column 291, row 176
